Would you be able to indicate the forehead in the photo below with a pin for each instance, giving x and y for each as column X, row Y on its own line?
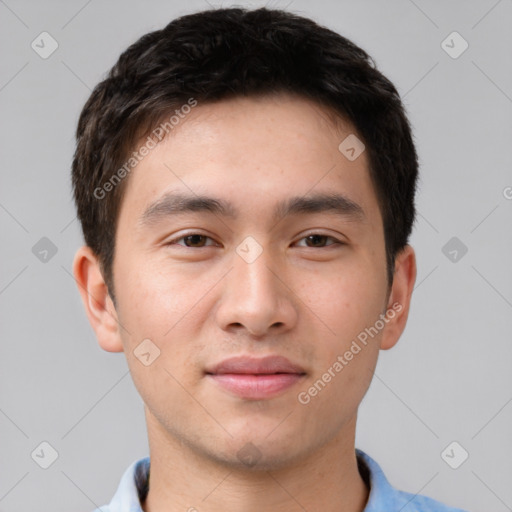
column 255, row 152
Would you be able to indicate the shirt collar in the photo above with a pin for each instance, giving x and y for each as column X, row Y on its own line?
column 133, row 489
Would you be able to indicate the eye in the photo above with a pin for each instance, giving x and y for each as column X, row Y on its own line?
column 193, row 240
column 197, row 240
column 318, row 240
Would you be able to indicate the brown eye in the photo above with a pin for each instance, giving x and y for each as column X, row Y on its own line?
column 194, row 240
column 318, row 240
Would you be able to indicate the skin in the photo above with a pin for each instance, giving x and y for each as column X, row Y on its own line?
column 201, row 304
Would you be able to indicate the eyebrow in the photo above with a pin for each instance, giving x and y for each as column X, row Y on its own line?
column 178, row 203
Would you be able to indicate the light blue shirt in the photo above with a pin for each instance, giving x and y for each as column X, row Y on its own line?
column 383, row 497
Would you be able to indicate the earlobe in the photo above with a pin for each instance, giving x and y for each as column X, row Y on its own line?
column 97, row 302
column 400, row 297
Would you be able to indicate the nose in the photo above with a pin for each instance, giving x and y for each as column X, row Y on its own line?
column 256, row 297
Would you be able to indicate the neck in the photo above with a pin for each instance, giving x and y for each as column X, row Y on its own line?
column 183, row 479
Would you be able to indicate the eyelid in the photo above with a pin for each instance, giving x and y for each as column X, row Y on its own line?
column 174, row 240
column 336, row 241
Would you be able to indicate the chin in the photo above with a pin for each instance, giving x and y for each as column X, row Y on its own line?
column 257, row 452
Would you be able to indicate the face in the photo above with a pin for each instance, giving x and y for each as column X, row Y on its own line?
column 271, row 267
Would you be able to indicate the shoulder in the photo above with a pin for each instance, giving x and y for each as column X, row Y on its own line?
column 132, row 489
column 385, row 498
column 419, row 503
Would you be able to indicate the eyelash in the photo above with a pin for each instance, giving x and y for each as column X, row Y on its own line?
column 175, row 240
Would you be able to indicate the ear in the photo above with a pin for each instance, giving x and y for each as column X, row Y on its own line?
column 97, row 302
column 399, row 297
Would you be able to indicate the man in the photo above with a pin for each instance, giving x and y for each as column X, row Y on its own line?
column 245, row 182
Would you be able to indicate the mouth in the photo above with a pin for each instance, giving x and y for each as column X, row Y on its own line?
column 256, row 379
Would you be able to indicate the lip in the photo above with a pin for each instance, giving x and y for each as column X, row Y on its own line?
column 256, row 378
column 252, row 365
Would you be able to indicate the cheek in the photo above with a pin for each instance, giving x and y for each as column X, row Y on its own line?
column 347, row 355
column 344, row 302
column 159, row 304
column 152, row 299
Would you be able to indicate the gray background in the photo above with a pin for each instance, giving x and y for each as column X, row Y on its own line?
column 449, row 377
